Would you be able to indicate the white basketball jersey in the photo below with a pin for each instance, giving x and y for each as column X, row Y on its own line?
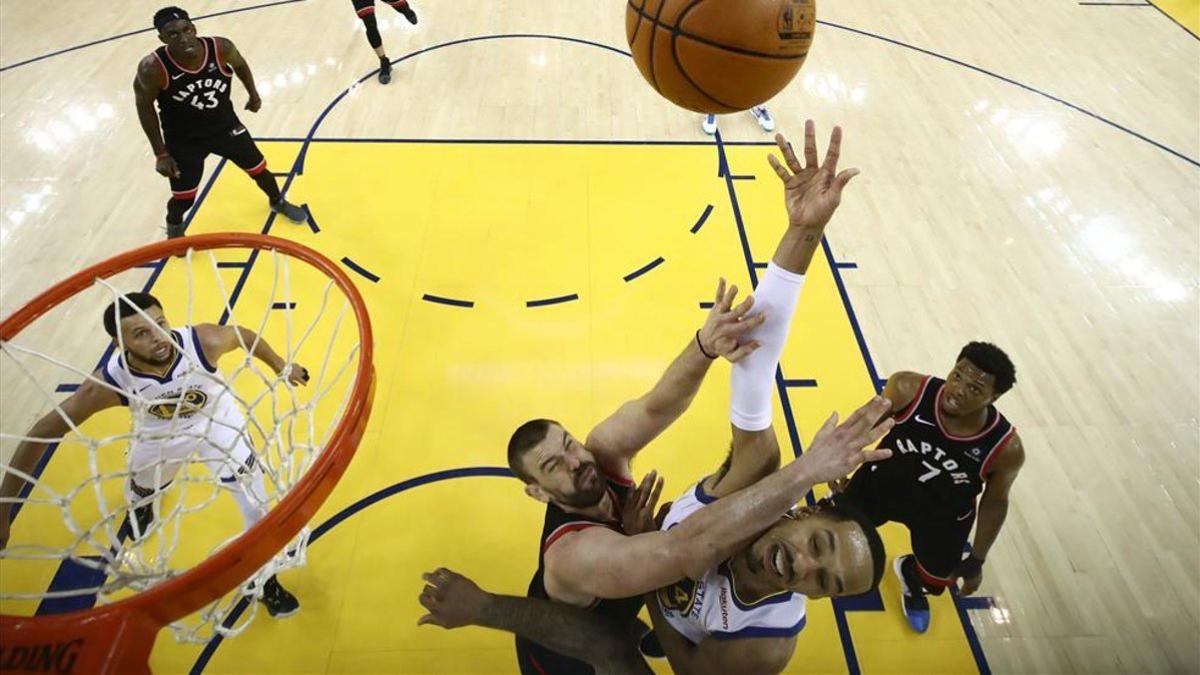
column 189, row 398
column 711, row 606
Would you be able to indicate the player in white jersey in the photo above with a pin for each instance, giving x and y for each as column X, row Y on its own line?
column 183, row 412
column 738, row 613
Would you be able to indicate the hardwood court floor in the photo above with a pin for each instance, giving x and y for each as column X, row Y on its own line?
column 1031, row 176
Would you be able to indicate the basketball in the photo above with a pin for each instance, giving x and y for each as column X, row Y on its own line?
column 719, row 56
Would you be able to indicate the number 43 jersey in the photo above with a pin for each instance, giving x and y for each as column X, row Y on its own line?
column 932, row 472
column 195, row 103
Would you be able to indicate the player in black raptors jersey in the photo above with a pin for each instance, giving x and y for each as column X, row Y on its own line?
column 365, row 9
column 949, row 444
column 190, row 79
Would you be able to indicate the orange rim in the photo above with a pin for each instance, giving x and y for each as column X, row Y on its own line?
column 140, row 616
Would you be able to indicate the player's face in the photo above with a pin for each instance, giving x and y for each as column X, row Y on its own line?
column 968, row 390
column 564, row 471
column 149, row 344
column 814, row 555
column 180, row 37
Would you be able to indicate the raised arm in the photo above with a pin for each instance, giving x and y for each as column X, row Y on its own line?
column 454, row 601
column 147, row 84
column 624, row 433
column 993, row 510
column 217, row 341
column 598, row 562
column 89, row 399
column 748, row 656
column 231, row 55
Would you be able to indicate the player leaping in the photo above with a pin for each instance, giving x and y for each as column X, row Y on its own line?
column 183, row 411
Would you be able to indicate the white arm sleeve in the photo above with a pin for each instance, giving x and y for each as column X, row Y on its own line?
column 754, row 376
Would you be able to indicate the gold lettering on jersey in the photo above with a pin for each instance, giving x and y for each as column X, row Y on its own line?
column 190, row 403
column 680, row 597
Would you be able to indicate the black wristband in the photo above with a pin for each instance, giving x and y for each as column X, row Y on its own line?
column 970, row 567
column 699, row 344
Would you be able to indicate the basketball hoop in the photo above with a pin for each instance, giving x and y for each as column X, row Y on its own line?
column 117, row 636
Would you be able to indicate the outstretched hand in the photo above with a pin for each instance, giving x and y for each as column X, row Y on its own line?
column 837, row 449
column 726, row 325
column 813, row 190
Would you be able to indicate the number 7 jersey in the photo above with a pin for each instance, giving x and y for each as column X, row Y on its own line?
column 195, row 103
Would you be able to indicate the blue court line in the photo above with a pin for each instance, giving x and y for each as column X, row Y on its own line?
column 644, row 268
column 759, row 265
column 878, row 382
column 552, row 301
column 335, row 520
column 360, row 269
column 69, row 572
column 799, row 383
column 447, row 301
column 842, row 265
column 65, row 388
column 283, row 305
column 747, row 177
column 1026, row 87
column 138, row 32
column 706, row 305
column 703, row 217
column 15, row 509
column 233, row 265
column 312, row 222
column 843, row 626
column 1173, row 20
column 298, row 167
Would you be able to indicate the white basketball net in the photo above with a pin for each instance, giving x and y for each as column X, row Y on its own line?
column 285, row 425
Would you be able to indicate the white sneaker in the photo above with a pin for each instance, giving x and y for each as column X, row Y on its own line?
column 764, row 118
column 709, row 124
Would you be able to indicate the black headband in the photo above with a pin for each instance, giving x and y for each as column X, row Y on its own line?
column 166, row 15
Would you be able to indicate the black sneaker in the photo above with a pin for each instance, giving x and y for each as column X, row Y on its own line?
column 385, row 72
column 409, row 14
column 175, row 231
column 290, row 211
column 279, row 603
column 912, row 593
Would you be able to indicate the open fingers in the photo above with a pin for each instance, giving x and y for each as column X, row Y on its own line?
column 834, row 152
column 780, row 170
column 743, row 350
column 844, row 177
column 789, row 154
column 730, row 296
column 810, row 144
column 653, row 501
column 743, row 307
column 720, row 291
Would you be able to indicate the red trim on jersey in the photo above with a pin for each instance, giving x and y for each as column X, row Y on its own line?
column 908, row 411
column 999, row 447
column 937, row 413
column 537, row 666
column 616, row 478
column 166, row 76
column 565, row 529
column 396, row 3
column 929, row 578
column 185, row 195
column 203, row 63
column 262, row 166
column 220, row 61
column 365, row 11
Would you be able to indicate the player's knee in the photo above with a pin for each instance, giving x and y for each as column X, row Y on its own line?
column 178, row 205
column 373, row 36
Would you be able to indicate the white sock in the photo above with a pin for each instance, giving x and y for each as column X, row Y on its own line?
column 754, row 376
